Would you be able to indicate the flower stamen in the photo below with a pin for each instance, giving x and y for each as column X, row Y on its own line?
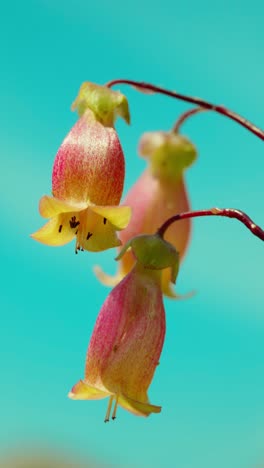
column 107, row 416
column 115, row 409
column 73, row 222
column 60, row 228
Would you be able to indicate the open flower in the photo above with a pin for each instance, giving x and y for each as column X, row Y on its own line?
column 127, row 340
column 157, row 195
column 87, row 184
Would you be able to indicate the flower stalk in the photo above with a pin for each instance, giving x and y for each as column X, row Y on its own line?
column 185, row 116
column 227, row 212
column 145, row 87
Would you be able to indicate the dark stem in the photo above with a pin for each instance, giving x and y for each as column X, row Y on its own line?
column 141, row 86
column 183, row 117
column 228, row 212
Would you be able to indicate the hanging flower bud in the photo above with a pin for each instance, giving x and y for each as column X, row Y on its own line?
column 128, row 337
column 156, row 196
column 87, row 179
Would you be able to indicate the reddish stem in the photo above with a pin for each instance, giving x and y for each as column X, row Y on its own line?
column 228, row 212
column 183, row 117
column 193, row 100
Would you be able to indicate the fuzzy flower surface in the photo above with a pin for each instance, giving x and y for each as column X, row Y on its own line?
column 159, row 193
column 87, row 184
column 128, row 337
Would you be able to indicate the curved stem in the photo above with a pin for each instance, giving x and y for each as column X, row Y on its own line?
column 228, row 212
column 183, row 117
column 141, row 86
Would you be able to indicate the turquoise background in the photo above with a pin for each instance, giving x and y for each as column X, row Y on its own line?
column 210, row 382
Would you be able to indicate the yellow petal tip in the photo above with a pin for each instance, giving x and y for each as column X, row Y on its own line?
column 106, row 279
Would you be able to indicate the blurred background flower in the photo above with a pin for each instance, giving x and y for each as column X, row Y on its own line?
column 43, row 458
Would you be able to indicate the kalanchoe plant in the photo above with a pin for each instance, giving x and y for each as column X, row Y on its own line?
column 158, row 193
column 88, row 177
column 127, row 340
column 87, row 184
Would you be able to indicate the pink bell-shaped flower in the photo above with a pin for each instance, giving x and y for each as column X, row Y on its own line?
column 128, row 337
column 87, row 179
column 158, row 194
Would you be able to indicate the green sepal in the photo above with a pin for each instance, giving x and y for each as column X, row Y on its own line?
column 153, row 253
column 105, row 103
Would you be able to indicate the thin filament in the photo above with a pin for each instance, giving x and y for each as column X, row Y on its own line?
column 115, row 408
column 109, row 407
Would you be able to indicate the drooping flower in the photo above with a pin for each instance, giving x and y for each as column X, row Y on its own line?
column 128, row 337
column 157, row 195
column 88, row 177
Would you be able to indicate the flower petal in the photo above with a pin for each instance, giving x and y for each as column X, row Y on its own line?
column 95, row 232
column 89, row 165
column 55, row 232
column 82, row 391
column 137, row 407
column 119, row 216
column 125, row 265
column 107, row 280
column 127, row 340
column 52, row 206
